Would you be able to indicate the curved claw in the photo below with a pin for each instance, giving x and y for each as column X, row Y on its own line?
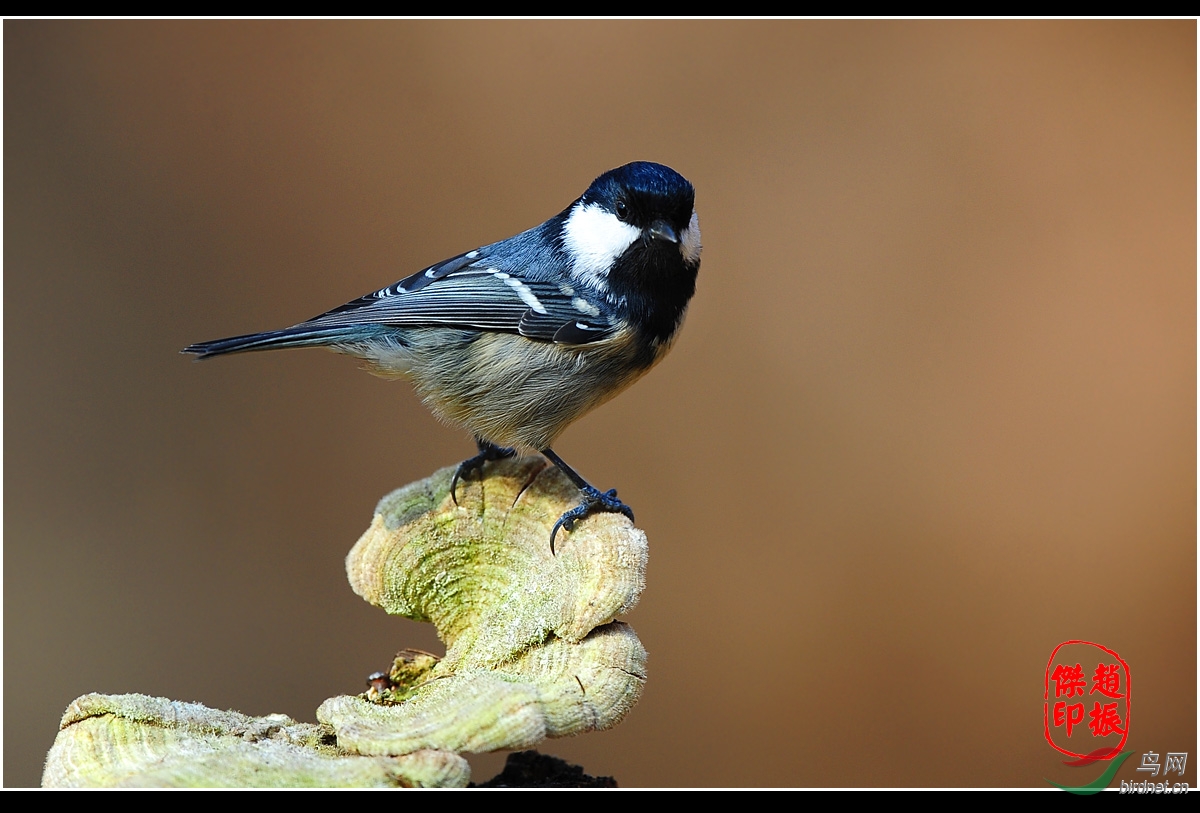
column 593, row 500
column 475, row 464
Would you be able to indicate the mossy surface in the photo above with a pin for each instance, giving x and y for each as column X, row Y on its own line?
column 533, row 650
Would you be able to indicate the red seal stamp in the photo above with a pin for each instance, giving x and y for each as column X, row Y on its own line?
column 1086, row 700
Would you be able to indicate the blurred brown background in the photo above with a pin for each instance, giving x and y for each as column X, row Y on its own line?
column 933, row 411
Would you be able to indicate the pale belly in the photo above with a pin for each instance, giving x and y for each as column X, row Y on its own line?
column 505, row 388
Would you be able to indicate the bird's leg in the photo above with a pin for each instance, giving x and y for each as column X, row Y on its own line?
column 593, row 499
column 487, row 451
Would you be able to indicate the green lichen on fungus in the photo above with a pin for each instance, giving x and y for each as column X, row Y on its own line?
column 531, row 646
column 533, row 650
column 138, row 741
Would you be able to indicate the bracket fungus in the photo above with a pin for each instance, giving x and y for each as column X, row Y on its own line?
column 533, row 650
column 132, row 740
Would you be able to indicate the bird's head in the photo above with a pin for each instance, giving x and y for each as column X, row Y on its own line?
column 641, row 216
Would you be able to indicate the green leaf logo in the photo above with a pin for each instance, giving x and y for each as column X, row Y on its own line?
column 1101, row 781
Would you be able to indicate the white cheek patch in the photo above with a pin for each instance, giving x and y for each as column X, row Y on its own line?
column 689, row 241
column 595, row 239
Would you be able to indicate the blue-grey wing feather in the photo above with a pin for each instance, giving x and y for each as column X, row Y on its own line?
column 508, row 287
column 480, row 293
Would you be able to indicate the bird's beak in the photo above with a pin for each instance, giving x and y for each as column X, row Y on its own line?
column 663, row 231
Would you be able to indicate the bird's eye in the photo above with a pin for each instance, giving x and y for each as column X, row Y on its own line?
column 622, row 210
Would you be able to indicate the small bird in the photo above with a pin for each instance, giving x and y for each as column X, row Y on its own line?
column 516, row 340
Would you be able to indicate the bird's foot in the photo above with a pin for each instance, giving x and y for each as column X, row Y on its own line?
column 487, row 451
column 594, row 500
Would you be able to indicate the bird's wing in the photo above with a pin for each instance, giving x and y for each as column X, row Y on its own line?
column 476, row 293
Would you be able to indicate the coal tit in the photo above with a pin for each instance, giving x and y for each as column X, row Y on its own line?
column 517, row 339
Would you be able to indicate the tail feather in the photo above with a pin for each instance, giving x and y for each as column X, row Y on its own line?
column 298, row 336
